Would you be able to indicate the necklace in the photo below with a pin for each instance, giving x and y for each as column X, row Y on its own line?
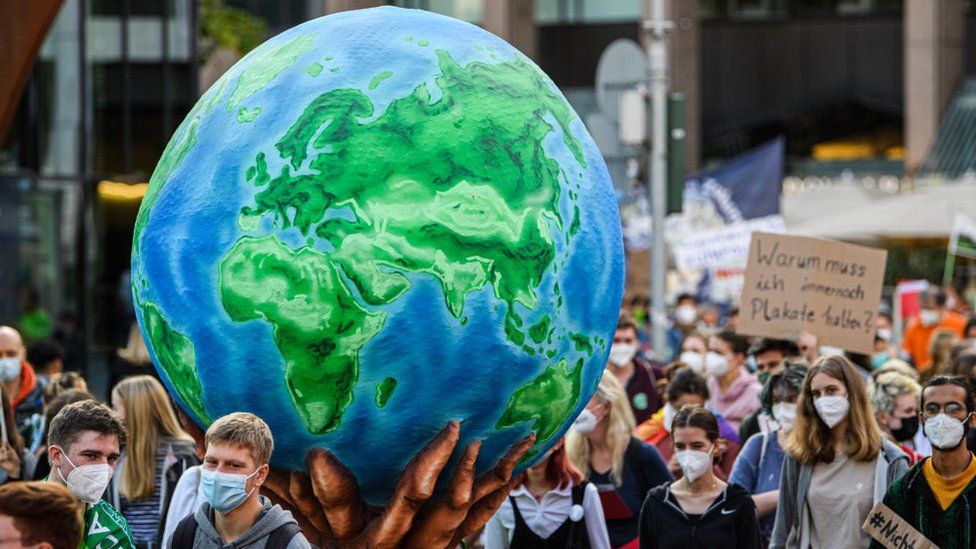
column 701, row 492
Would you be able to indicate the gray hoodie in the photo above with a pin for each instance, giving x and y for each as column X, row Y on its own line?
column 256, row 536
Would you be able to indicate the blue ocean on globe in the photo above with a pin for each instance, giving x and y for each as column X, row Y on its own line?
column 373, row 224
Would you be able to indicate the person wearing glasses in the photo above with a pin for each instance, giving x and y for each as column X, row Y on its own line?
column 937, row 496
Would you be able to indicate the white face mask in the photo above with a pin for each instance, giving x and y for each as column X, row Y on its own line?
column 669, row 413
column 695, row 361
column 585, row 422
column 832, row 409
column 945, row 432
column 9, row 369
column 715, row 364
column 622, row 353
column 694, row 463
column 87, row 482
column 929, row 317
column 884, row 333
column 686, row 315
column 785, row 414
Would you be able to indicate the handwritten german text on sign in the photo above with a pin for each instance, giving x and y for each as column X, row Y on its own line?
column 795, row 284
column 892, row 531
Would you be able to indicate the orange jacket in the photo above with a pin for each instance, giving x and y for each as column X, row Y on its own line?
column 917, row 336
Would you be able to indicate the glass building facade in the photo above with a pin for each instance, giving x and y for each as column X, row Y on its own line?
column 111, row 82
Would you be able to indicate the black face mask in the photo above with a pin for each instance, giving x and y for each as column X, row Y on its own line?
column 909, row 426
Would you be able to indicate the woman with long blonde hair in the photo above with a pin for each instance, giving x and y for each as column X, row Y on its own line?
column 602, row 445
column 837, row 465
column 158, row 452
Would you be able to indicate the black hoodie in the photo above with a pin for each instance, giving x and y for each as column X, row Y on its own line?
column 729, row 522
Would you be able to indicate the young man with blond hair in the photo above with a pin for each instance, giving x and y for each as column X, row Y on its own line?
column 239, row 448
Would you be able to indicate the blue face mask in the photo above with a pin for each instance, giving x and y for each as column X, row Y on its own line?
column 225, row 491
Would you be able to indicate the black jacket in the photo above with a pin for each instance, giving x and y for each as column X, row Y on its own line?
column 730, row 522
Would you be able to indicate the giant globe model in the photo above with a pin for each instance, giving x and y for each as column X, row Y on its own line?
column 375, row 223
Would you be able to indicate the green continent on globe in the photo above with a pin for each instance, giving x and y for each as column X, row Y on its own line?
column 318, row 325
column 176, row 356
column 385, row 390
column 459, row 187
column 262, row 69
column 547, row 401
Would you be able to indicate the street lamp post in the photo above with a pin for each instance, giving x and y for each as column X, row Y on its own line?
column 656, row 28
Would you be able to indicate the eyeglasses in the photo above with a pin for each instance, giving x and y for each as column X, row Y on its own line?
column 951, row 409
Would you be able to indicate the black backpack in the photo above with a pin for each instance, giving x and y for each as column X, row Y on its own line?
column 186, row 530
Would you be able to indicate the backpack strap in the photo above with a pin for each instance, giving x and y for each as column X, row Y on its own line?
column 579, row 491
column 185, row 531
column 762, row 449
column 281, row 536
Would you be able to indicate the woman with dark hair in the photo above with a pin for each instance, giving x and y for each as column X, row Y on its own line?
column 837, row 466
column 698, row 510
column 759, row 463
column 969, row 332
column 550, row 506
column 735, row 391
column 688, row 389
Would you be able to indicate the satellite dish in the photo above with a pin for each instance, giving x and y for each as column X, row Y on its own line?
column 622, row 66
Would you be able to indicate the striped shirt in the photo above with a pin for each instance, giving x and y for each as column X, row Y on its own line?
column 143, row 515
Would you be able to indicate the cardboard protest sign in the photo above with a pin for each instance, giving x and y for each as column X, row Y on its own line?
column 795, row 284
column 892, row 531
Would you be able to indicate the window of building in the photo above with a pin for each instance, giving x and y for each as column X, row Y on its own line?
column 471, row 11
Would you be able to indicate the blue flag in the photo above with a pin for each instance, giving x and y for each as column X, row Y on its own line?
column 746, row 187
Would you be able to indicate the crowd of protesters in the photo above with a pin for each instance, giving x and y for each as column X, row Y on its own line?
column 734, row 442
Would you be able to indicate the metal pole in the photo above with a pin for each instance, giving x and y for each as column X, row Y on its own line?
column 657, row 164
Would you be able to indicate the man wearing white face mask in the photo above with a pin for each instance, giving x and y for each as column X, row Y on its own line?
column 685, row 320
column 85, row 440
column 239, row 447
column 636, row 376
column 18, row 378
column 937, row 496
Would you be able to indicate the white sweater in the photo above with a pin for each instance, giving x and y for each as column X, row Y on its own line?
column 186, row 498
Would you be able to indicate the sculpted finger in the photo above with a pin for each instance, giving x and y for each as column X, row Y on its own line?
column 481, row 511
column 277, row 487
column 416, row 486
column 491, row 481
column 336, row 489
column 436, row 528
column 306, row 503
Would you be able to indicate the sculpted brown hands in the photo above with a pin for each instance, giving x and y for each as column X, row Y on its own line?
column 328, row 507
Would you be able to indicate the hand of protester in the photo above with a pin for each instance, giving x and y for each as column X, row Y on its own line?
column 11, row 464
column 327, row 505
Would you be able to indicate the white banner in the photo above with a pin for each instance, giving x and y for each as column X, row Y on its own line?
column 725, row 247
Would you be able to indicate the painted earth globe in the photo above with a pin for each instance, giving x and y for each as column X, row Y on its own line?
column 374, row 223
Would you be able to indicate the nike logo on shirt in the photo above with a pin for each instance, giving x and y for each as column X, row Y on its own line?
column 728, row 511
